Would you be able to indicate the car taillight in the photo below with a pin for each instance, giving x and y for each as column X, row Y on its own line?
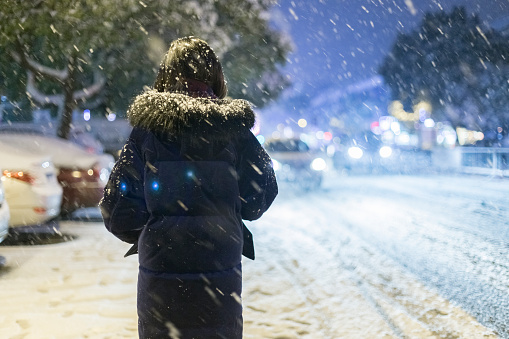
column 19, row 175
column 40, row 210
column 95, row 171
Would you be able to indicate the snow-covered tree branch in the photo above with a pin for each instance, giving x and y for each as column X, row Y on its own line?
column 41, row 98
column 38, row 68
column 90, row 91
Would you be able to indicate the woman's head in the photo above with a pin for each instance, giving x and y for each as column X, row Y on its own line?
column 190, row 58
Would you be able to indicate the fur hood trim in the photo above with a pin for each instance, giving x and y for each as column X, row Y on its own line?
column 179, row 114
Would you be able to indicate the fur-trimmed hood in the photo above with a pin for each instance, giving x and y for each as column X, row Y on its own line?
column 178, row 114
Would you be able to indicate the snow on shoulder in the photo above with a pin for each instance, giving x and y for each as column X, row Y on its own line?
column 178, row 114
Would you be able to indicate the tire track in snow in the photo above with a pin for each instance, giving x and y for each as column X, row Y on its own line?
column 446, row 245
column 305, row 287
column 316, row 274
column 405, row 305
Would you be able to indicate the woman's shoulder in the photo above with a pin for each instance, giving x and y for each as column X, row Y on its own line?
column 246, row 137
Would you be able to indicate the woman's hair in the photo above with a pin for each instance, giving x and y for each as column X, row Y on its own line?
column 190, row 58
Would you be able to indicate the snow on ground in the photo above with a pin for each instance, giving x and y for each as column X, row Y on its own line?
column 313, row 278
column 77, row 289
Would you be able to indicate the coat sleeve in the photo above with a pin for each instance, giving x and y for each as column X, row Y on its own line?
column 123, row 205
column 257, row 180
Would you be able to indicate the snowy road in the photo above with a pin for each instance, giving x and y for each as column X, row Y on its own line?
column 366, row 257
column 394, row 256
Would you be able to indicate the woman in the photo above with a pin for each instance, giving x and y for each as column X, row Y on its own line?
column 189, row 173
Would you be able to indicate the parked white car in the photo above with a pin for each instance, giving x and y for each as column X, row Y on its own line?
column 4, row 212
column 78, row 134
column 31, row 187
column 82, row 175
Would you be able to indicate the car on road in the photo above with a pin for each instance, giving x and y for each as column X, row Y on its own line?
column 4, row 212
column 364, row 153
column 294, row 162
column 31, row 188
column 82, row 175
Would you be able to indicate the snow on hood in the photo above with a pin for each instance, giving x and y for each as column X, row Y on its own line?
column 63, row 153
column 14, row 158
column 180, row 114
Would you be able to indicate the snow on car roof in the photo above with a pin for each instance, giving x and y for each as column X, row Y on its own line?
column 63, row 153
column 17, row 158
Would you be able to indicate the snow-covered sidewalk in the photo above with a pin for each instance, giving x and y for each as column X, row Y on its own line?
column 306, row 282
column 77, row 289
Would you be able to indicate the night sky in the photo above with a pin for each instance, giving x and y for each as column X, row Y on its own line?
column 340, row 42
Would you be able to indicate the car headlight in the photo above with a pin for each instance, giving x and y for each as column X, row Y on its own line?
column 355, row 152
column 276, row 165
column 385, row 151
column 318, row 164
column 104, row 174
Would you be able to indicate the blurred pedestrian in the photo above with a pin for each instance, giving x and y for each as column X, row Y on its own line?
column 188, row 175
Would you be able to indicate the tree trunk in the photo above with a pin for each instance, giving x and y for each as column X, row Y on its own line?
column 69, row 103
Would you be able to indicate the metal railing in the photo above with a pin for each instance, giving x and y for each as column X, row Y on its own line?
column 485, row 160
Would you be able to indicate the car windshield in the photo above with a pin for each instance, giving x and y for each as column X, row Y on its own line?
column 287, row 146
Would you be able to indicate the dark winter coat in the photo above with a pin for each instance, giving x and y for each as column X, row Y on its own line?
column 189, row 173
